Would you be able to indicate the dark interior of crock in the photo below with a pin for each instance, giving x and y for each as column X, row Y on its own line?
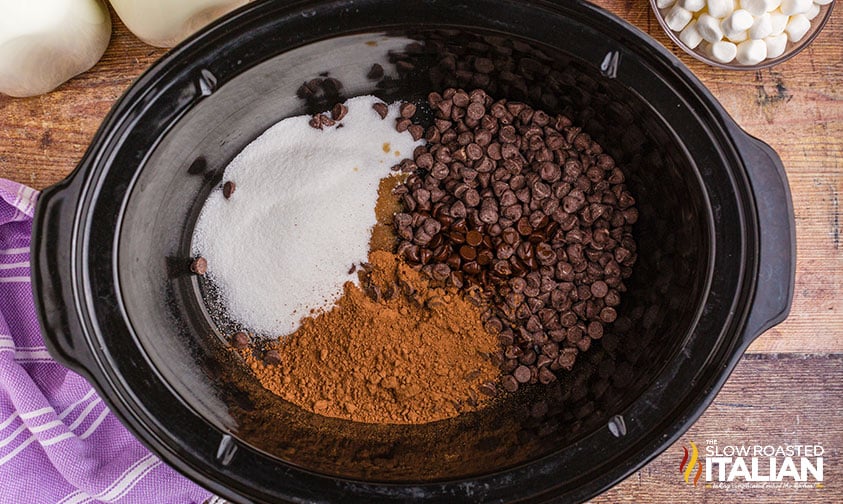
column 165, row 305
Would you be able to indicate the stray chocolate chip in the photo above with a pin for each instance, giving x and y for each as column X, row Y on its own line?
column 316, row 121
column 199, row 266
column 240, row 340
column 339, row 111
column 381, row 109
column 228, row 189
column 488, row 388
column 407, row 110
column 272, row 357
column 375, row 73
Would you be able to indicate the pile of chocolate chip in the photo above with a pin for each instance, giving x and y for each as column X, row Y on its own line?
column 526, row 209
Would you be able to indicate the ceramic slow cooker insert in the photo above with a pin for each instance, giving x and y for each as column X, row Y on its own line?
column 117, row 303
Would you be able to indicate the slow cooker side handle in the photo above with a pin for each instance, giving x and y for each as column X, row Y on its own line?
column 52, row 275
column 777, row 236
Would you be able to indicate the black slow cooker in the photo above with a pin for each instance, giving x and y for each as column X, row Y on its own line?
column 118, row 304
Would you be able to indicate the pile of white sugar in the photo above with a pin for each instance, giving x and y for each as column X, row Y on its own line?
column 300, row 216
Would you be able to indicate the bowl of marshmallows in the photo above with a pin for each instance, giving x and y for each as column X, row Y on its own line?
column 742, row 34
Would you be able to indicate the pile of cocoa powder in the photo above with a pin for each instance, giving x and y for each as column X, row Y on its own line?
column 400, row 350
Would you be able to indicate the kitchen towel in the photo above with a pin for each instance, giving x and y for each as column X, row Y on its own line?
column 59, row 443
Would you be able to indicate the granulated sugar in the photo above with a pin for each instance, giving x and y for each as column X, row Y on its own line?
column 300, row 216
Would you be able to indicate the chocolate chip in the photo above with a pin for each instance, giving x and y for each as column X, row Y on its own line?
column 608, row 315
column 488, row 388
column 381, row 109
column 407, row 110
column 522, row 374
column 509, row 383
column 475, row 111
column 376, row 72
column 199, row 266
column 339, row 111
column 599, row 289
column 240, row 340
column 272, row 357
column 473, row 238
column 468, row 253
column 228, row 189
column 402, row 124
column 316, row 121
column 416, row 131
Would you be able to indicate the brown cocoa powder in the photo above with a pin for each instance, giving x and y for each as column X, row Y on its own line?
column 403, row 352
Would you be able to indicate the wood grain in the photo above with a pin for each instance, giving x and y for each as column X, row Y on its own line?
column 802, row 408
column 797, row 107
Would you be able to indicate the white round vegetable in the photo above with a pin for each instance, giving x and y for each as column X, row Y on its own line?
column 165, row 23
column 45, row 43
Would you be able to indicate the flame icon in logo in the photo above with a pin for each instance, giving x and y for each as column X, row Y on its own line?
column 686, row 467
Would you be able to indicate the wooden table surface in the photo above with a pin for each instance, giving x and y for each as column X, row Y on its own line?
column 787, row 389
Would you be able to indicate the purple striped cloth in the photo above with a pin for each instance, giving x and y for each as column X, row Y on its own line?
column 58, row 441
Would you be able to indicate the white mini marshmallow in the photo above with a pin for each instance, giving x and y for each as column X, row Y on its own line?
column 738, row 21
column 677, row 18
column 778, row 21
column 761, row 28
column 692, row 5
column 797, row 27
column 664, row 4
column 791, row 7
column 720, row 8
column 690, row 36
column 812, row 12
column 709, row 28
column 738, row 37
column 823, row 2
column 751, row 52
column 723, row 51
column 759, row 7
column 776, row 45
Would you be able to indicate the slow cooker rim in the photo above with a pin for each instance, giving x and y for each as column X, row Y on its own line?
column 109, row 125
